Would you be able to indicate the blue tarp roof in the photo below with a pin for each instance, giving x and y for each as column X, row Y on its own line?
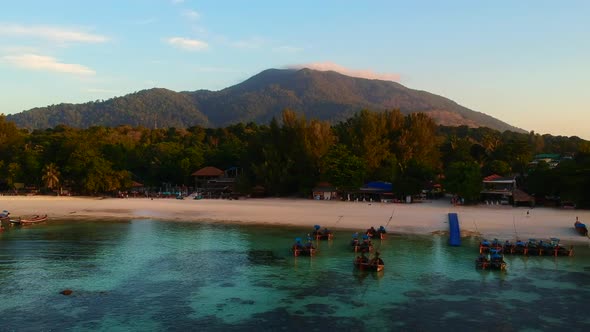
column 381, row 185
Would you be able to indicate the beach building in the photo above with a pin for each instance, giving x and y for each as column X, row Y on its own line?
column 211, row 182
column 324, row 191
column 375, row 191
column 499, row 190
column 552, row 159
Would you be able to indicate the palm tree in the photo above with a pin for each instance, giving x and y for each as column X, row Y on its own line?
column 51, row 176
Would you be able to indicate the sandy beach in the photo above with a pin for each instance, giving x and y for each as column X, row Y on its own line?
column 502, row 222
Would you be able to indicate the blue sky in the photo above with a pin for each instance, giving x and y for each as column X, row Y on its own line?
column 523, row 62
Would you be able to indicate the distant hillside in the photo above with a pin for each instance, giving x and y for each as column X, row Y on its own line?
column 317, row 94
column 149, row 108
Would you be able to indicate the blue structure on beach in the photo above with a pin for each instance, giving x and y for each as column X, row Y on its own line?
column 454, row 231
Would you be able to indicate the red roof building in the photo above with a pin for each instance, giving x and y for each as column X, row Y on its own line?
column 208, row 171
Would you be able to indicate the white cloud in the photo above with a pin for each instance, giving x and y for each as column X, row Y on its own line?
column 191, row 14
column 46, row 63
column 363, row 73
column 18, row 49
column 188, row 44
column 52, row 33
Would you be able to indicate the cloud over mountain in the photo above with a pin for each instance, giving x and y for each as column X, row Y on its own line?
column 362, row 73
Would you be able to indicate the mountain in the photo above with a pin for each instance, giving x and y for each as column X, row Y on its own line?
column 148, row 108
column 324, row 95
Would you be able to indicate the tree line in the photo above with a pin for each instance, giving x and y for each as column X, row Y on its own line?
column 290, row 155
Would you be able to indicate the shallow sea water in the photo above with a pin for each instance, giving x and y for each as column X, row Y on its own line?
column 145, row 275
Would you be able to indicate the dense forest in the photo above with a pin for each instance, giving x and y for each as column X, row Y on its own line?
column 290, row 155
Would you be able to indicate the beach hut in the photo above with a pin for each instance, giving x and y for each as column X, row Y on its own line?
column 324, row 191
column 205, row 174
column 499, row 190
column 212, row 182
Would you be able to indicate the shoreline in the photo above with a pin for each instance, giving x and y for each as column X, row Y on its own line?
column 427, row 218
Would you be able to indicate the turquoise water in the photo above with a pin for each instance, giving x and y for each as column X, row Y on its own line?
column 145, row 275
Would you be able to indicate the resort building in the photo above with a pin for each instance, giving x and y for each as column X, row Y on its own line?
column 211, row 182
column 552, row 159
column 498, row 190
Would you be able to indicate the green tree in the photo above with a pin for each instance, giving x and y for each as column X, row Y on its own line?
column 342, row 168
column 418, row 142
column 499, row 167
column 50, row 176
column 13, row 174
column 366, row 134
column 464, row 179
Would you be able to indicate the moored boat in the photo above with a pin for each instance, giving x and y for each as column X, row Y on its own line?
column 4, row 216
column 365, row 246
column 362, row 263
column 373, row 233
column 299, row 249
column 530, row 248
column 559, row 250
column 581, row 228
column 30, row 220
column 485, row 246
column 495, row 262
column 517, row 248
column 380, row 234
column 355, row 242
column 324, row 234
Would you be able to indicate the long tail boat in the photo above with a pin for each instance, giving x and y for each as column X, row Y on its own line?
column 4, row 216
column 324, row 234
column 485, row 246
column 30, row 220
column 537, row 248
column 362, row 263
column 495, row 262
column 300, row 249
column 581, row 228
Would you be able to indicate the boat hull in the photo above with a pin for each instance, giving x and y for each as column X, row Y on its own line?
column 30, row 221
column 304, row 251
column 369, row 267
column 487, row 265
column 581, row 228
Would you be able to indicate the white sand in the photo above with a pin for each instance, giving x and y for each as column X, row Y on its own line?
column 502, row 222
